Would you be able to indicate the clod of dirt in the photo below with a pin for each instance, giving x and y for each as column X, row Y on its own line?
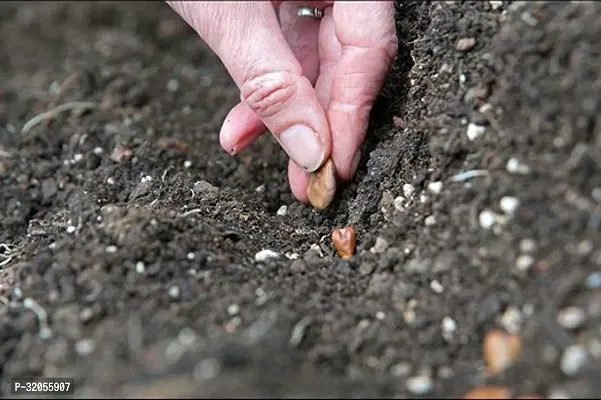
column 322, row 186
column 488, row 392
column 120, row 154
column 344, row 240
column 169, row 143
column 465, row 44
column 500, row 350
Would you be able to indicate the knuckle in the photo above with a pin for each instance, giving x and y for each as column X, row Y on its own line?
column 268, row 94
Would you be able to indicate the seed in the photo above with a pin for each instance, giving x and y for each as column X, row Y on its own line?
column 500, row 349
column 344, row 241
column 322, row 186
column 488, row 392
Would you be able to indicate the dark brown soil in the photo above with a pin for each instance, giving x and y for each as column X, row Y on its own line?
column 151, row 287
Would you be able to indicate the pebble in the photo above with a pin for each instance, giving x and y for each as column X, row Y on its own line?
column 401, row 369
column 527, row 245
column 523, row 262
column 496, row 4
column 593, row 281
column 511, row 320
column 71, row 229
column 487, row 219
column 111, row 249
column 283, row 210
column 265, row 255
column 449, row 326
column 187, row 164
column 420, row 384
column 173, row 85
column 399, row 203
column 233, row 309
column 435, row 187
column 140, row 267
column 85, row 347
column 474, row 131
column 436, row 286
column 430, row 220
column 465, row 44
column 380, row 246
column 260, row 189
column 572, row 360
column 509, row 204
column 514, row 166
column 408, row 190
column 174, row 292
column 571, row 317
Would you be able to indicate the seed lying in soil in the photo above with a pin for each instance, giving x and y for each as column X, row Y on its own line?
column 322, row 186
column 488, row 392
column 344, row 240
column 500, row 349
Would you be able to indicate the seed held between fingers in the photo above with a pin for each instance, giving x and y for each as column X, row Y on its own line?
column 322, row 186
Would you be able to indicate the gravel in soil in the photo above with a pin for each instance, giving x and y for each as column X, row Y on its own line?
column 140, row 259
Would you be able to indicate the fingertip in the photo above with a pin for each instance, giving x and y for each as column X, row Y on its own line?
column 299, row 180
column 240, row 128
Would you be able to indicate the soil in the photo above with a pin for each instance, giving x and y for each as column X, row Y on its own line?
column 128, row 237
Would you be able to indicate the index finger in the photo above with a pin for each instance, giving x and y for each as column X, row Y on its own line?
column 367, row 34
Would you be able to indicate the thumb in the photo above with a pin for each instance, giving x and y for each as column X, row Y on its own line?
column 247, row 38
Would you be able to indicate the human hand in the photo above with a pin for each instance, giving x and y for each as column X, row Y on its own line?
column 311, row 83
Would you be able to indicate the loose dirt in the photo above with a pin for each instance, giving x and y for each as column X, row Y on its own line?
column 129, row 239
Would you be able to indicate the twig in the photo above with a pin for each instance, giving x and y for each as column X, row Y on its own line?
column 53, row 113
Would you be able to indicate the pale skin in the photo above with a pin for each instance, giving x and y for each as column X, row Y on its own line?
column 311, row 83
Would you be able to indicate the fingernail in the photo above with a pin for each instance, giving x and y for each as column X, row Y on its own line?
column 303, row 146
column 355, row 163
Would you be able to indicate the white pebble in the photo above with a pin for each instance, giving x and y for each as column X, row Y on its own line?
column 110, row 181
column 571, row 317
column 111, row 249
column 140, row 267
column 523, row 262
column 174, row 292
column 380, row 246
column 190, row 256
column 572, row 360
column 172, row 85
column 487, row 219
column 399, row 203
column 436, row 286
column 233, row 309
column 474, row 131
column 77, row 157
column 496, row 4
column 265, row 254
column 435, row 187
column 260, row 189
column 98, row 150
column 423, row 199
column 283, row 210
column 71, row 229
column 509, row 204
column 380, row 315
column 419, row 384
column 514, row 166
column 448, row 325
column 408, row 190
column 187, row 164
column 527, row 245
column 511, row 320
column 85, row 347
column 430, row 220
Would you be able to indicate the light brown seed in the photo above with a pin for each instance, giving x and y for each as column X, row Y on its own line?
column 500, row 349
column 344, row 240
column 322, row 186
column 488, row 392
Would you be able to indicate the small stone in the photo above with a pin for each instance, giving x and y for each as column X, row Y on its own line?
column 173, row 85
column 593, row 281
column 120, row 154
column 509, row 204
column 85, row 347
column 584, row 248
column 571, row 317
column 511, row 320
column 283, row 210
column 260, row 189
column 523, row 262
column 500, row 350
column 496, row 4
column 465, row 44
column 71, row 229
column 233, row 309
column 449, row 326
column 435, row 187
column 399, row 203
column 111, row 249
column 187, row 164
column 420, row 384
column 430, row 220
column 436, row 286
column 265, row 255
column 190, row 256
column 572, row 360
column 474, row 131
column 397, row 121
column 206, row 189
column 380, row 246
column 527, row 246
column 408, row 190
column 401, row 369
column 174, row 292
column 514, row 166
column 140, row 267
column 487, row 219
